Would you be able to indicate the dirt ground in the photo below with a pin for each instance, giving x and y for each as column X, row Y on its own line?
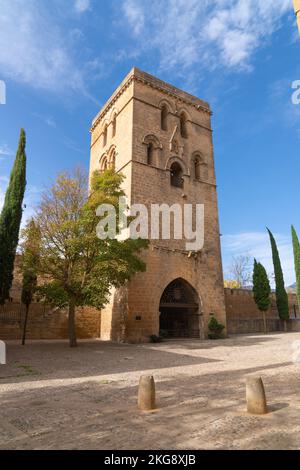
column 52, row 397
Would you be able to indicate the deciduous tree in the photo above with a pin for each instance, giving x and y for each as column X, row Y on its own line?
column 81, row 267
column 240, row 270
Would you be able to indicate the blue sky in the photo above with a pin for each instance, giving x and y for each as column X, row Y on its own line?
column 61, row 60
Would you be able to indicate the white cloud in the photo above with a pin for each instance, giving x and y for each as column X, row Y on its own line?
column 257, row 245
column 31, row 198
column 70, row 144
column 5, row 150
column 81, row 6
column 3, row 185
column 211, row 32
column 50, row 122
column 34, row 49
column 134, row 12
column 46, row 119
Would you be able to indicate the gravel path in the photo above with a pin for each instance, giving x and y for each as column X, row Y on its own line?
column 53, row 397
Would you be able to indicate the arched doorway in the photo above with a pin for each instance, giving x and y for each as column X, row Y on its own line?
column 179, row 311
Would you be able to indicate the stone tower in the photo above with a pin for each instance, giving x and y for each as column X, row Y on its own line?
column 160, row 138
column 297, row 12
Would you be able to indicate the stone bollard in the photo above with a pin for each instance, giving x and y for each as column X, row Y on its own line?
column 255, row 396
column 2, row 353
column 146, row 394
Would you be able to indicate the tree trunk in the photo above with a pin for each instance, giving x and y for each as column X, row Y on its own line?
column 265, row 322
column 25, row 325
column 285, row 325
column 72, row 326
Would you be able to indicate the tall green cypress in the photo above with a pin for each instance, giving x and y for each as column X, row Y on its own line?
column 261, row 287
column 296, row 248
column 10, row 219
column 281, row 294
column 261, row 290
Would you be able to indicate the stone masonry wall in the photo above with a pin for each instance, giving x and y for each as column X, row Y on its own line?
column 46, row 323
column 243, row 315
column 43, row 321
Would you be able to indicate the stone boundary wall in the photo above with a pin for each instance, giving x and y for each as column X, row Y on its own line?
column 243, row 315
column 46, row 323
column 256, row 325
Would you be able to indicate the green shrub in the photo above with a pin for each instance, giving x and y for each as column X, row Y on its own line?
column 215, row 328
column 155, row 339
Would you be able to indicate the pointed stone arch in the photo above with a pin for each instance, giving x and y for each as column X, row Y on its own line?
column 180, row 310
column 183, row 165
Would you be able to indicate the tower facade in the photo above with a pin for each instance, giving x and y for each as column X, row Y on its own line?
column 297, row 12
column 160, row 139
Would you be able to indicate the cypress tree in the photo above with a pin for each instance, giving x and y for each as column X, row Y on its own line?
column 261, row 290
column 30, row 261
column 296, row 248
column 10, row 219
column 281, row 294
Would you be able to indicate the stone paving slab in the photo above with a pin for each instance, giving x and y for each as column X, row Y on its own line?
column 52, row 397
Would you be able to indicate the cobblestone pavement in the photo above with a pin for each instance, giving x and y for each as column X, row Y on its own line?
column 54, row 397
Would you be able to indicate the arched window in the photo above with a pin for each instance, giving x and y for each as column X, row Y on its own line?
column 176, row 175
column 183, row 127
column 114, row 125
column 152, row 149
column 197, row 168
column 150, row 153
column 164, row 116
column 104, row 163
column 112, row 163
column 105, row 136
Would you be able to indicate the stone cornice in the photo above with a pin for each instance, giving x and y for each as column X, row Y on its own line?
column 135, row 75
